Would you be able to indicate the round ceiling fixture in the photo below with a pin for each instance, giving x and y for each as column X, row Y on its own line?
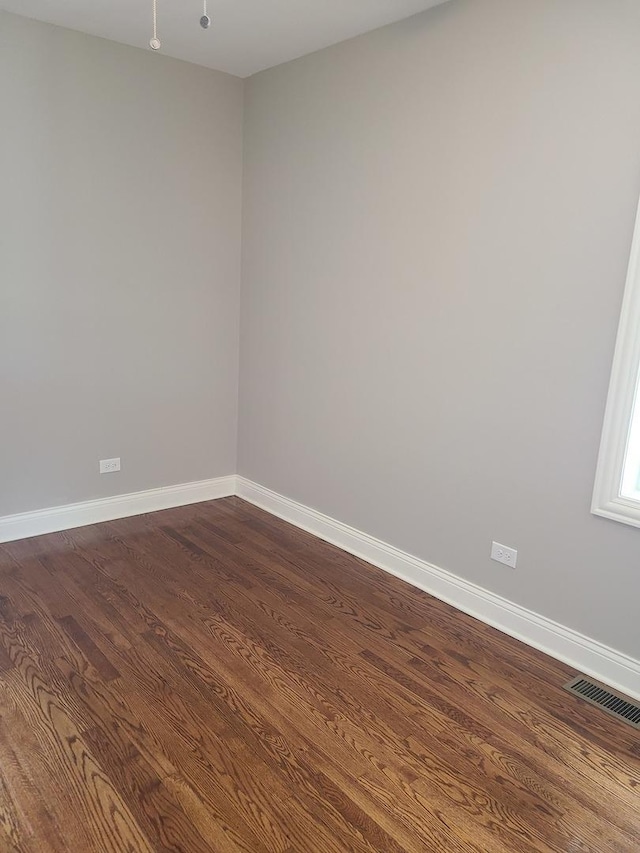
column 205, row 20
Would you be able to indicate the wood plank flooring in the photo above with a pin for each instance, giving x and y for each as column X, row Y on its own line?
column 212, row 679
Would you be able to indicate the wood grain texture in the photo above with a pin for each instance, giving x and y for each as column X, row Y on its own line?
column 210, row 678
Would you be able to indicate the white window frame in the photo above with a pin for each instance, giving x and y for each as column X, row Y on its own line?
column 608, row 498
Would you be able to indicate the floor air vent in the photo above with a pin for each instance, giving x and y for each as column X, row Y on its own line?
column 610, row 702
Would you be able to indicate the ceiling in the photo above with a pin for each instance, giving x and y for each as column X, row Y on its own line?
column 245, row 35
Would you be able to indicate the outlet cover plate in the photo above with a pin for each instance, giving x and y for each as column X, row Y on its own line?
column 109, row 466
column 504, row 554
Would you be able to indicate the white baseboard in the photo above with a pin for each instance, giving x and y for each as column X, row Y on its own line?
column 27, row 524
column 579, row 652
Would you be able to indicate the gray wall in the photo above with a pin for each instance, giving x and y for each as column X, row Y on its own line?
column 120, row 214
column 437, row 222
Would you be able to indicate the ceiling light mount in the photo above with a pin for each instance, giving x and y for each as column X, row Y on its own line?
column 205, row 20
column 154, row 41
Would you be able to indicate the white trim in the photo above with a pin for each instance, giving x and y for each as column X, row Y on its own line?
column 27, row 524
column 608, row 500
column 581, row 653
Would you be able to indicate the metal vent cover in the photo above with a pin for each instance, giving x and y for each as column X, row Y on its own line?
column 608, row 700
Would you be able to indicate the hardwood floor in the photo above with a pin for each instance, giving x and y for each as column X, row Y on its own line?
column 211, row 679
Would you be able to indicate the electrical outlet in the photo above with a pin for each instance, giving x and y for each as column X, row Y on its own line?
column 505, row 555
column 108, row 466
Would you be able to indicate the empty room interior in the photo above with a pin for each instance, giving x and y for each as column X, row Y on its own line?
column 320, row 453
